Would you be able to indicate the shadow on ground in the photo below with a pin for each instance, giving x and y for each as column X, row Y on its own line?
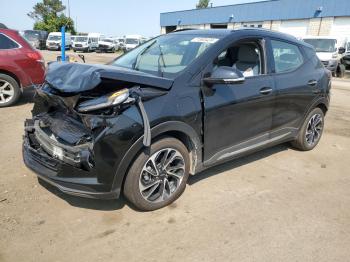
column 116, row 204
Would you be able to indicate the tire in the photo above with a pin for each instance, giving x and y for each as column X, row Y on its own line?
column 341, row 71
column 10, row 91
column 304, row 141
column 166, row 188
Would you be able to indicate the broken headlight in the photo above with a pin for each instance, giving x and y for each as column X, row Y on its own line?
column 105, row 101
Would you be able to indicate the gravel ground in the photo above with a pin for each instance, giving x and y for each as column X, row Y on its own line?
column 275, row 205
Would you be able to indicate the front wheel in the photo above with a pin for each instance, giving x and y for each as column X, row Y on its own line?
column 341, row 71
column 311, row 131
column 157, row 178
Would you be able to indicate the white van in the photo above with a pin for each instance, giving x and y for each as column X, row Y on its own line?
column 87, row 43
column 53, row 41
column 132, row 41
column 330, row 50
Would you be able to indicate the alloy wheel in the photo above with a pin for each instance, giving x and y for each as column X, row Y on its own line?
column 7, row 91
column 161, row 175
column 314, row 129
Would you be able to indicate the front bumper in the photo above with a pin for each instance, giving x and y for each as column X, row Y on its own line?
column 84, row 49
column 57, row 171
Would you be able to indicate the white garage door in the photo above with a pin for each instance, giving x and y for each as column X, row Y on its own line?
column 341, row 27
column 297, row 28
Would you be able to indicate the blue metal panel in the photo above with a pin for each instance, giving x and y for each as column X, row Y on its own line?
column 258, row 11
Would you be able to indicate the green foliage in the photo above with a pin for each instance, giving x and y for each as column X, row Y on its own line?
column 202, row 4
column 49, row 17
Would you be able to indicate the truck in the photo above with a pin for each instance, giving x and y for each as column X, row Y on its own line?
column 132, row 41
column 87, row 43
column 37, row 38
column 54, row 39
column 330, row 50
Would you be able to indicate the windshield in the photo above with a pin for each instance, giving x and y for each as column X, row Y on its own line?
column 80, row 39
column 108, row 40
column 132, row 41
column 31, row 35
column 54, row 37
column 322, row 45
column 165, row 55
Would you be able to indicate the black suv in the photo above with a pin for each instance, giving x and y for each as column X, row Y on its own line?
column 174, row 106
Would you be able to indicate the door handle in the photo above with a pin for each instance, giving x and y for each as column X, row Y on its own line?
column 312, row 82
column 265, row 90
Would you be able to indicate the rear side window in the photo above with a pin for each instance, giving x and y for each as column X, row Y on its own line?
column 7, row 43
column 287, row 56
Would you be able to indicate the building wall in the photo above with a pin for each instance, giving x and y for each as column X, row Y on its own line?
column 315, row 26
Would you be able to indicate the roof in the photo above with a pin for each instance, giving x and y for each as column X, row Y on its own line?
column 247, row 31
column 258, row 11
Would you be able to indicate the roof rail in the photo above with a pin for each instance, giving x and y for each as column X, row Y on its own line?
column 184, row 29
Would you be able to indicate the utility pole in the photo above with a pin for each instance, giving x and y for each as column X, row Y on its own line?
column 68, row 9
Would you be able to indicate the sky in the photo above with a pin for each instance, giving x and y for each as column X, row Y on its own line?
column 109, row 17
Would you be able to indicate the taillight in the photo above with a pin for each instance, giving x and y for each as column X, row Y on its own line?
column 34, row 55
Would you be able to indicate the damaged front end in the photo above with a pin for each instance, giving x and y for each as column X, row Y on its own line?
column 84, row 120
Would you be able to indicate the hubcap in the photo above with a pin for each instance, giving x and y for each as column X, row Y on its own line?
column 314, row 129
column 161, row 175
column 6, row 91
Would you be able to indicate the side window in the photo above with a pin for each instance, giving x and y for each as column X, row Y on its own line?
column 287, row 56
column 246, row 57
column 7, row 43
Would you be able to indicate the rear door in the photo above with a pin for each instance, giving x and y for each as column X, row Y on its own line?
column 237, row 117
column 297, row 76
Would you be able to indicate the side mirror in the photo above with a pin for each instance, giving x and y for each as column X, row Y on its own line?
column 224, row 75
column 341, row 50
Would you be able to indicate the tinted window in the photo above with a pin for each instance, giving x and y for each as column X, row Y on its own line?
column 287, row 56
column 7, row 43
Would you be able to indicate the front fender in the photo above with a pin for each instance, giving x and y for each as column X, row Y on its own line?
column 156, row 131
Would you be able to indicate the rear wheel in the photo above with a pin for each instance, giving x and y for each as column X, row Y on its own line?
column 159, row 177
column 10, row 91
column 311, row 131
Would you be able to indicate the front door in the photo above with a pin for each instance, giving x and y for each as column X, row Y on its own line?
column 238, row 117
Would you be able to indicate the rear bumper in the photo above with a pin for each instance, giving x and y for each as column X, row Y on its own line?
column 65, row 177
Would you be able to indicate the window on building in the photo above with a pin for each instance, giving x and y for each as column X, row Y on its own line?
column 7, row 43
column 287, row 56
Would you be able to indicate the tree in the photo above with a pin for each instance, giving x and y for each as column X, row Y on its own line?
column 49, row 16
column 202, row 4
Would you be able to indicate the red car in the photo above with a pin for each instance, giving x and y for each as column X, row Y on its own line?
column 21, row 66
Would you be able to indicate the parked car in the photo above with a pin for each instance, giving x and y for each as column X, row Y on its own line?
column 330, row 51
column 108, row 45
column 21, row 66
column 132, row 41
column 37, row 38
column 54, row 40
column 346, row 57
column 72, row 38
column 178, row 104
column 87, row 43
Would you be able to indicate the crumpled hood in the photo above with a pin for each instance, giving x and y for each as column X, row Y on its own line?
column 74, row 77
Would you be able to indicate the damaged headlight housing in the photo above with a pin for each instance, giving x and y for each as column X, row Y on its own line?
column 105, row 101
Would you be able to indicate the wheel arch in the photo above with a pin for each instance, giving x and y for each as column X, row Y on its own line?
column 177, row 129
column 5, row 72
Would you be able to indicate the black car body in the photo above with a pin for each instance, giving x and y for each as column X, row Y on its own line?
column 216, row 112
